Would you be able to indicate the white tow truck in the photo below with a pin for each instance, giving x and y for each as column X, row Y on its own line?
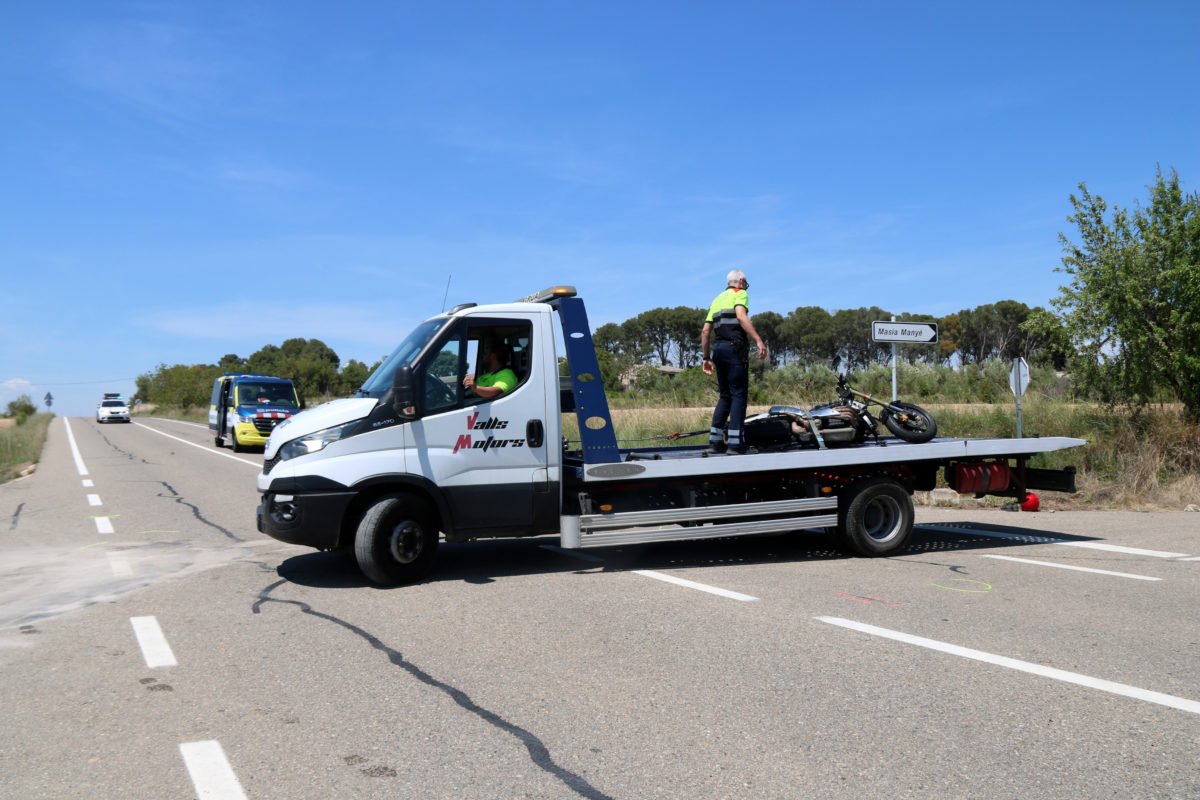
column 415, row 454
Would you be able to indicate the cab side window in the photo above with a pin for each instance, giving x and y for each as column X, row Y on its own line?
column 498, row 353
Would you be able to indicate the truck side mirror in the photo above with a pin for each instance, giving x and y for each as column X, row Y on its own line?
column 404, row 395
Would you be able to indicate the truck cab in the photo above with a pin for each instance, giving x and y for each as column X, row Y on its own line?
column 245, row 408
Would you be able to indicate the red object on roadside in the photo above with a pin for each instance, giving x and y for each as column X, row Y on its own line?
column 1031, row 502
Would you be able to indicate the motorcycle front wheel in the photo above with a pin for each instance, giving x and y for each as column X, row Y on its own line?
column 914, row 424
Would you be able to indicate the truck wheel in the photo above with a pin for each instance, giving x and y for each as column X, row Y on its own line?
column 396, row 540
column 875, row 517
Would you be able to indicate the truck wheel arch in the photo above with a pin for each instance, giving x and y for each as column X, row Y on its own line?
column 369, row 491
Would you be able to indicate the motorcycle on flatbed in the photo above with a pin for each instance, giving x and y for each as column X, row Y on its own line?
column 848, row 420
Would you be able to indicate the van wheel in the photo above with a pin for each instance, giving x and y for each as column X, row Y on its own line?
column 875, row 517
column 237, row 446
column 397, row 540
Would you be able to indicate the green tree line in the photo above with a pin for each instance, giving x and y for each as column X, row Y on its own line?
column 314, row 368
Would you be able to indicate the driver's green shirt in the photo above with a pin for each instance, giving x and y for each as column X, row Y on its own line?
column 505, row 378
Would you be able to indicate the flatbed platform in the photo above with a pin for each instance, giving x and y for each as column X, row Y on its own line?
column 695, row 461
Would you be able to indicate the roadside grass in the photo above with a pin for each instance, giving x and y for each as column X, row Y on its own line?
column 21, row 445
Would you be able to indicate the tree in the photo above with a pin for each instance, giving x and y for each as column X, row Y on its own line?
column 22, row 407
column 1132, row 308
column 808, row 335
column 353, row 375
column 769, row 325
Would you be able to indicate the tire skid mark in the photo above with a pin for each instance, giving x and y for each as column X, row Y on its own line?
column 178, row 498
column 538, row 752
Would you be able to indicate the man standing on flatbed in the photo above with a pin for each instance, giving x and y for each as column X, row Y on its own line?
column 728, row 329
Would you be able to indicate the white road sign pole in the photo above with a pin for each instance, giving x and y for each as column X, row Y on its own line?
column 1018, row 381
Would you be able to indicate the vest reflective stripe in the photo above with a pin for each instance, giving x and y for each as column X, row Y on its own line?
column 723, row 316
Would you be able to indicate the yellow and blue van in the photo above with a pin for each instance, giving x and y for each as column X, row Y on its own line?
column 245, row 408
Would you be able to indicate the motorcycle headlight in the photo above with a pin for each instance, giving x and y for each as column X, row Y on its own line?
column 315, row 441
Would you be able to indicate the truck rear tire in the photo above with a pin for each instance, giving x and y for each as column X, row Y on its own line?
column 397, row 540
column 875, row 517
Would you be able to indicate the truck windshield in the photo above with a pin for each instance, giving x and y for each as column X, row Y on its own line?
column 380, row 381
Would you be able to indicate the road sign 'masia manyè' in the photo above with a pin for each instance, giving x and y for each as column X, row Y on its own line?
column 904, row 332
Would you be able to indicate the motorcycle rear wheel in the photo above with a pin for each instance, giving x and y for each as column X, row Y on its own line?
column 917, row 426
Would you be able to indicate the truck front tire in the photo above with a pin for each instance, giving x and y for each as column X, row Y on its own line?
column 875, row 517
column 397, row 540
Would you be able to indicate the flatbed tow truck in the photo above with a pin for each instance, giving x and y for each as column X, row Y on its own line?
column 415, row 453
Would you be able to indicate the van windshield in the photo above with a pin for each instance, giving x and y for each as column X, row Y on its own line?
column 266, row 393
column 380, row 381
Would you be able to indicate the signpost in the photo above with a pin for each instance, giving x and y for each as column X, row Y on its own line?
column 1018, row 381
column 911, row 332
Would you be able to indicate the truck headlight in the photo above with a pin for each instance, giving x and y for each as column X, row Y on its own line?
column 315, row 441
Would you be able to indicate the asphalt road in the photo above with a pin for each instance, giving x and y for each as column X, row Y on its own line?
column 154, row 645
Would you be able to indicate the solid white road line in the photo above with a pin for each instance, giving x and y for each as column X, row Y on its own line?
column 1089, row 682
column 94, row 500
column 154, row 645
column 660, row 576
column 211, row 774
column 103, row 524
column 200, row 446
column 74, row 448
column 1078, row 569
column 178, row 422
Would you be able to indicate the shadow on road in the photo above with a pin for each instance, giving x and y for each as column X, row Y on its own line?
column 494, row 559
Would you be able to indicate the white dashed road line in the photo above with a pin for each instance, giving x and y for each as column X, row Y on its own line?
column 662, row 576
column 1087, row 681
column 1116, row 548
column 1073, row 567
column 211, row 773
column 103, row 524
column 154, row 645
column 1036, row 539
column 94, row 500
column 119, row 565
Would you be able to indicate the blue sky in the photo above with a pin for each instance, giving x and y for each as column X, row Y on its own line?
column 186, row 180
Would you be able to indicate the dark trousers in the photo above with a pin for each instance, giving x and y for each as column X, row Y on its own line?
column 733, row 384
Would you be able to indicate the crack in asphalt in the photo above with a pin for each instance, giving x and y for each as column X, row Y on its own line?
column 13, row 525
column 178, row 498
column 538, row 752
column 125, row 453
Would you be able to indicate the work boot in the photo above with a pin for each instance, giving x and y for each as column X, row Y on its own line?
column 716, row 448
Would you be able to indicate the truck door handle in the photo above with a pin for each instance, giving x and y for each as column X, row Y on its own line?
column 534, row 433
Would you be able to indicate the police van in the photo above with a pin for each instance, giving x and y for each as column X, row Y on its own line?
column 245, row 408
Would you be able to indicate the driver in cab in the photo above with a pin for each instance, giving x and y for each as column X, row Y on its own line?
column 498, row 378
